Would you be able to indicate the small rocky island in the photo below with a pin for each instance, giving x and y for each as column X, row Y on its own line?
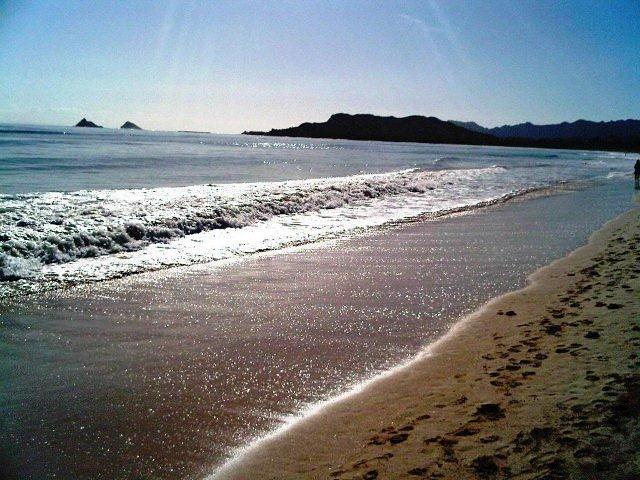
column 87, row 123
column 130, row 125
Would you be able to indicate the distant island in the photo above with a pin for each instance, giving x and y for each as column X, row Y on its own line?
column 130, row 125
column 621, row 135
column 86, row 123
column 191, row 131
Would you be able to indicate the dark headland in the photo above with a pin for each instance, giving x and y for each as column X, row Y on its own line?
column 87, row 123
column 389, row 129
column 130, row 125
column 621, row 135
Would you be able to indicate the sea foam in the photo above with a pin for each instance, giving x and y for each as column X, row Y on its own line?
column 42, row 232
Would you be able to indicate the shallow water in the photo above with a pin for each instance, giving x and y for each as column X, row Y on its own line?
column 163, row 374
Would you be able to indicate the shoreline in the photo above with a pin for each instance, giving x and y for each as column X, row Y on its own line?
column 370, row 431
column 208, row 360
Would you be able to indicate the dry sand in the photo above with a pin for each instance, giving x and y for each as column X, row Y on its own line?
column 541, row 383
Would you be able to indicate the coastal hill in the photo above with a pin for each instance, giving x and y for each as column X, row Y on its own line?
column 371, row 127
column 583, row 129
column 87, row 123
column 130, row 125
column 622, row 135
column 473, row 126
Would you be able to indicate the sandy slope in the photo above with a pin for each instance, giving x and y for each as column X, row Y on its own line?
column 541, row 383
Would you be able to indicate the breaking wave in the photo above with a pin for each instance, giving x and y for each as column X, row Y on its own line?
column 53, row 228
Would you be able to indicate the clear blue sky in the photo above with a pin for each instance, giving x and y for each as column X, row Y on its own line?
column 228, row 66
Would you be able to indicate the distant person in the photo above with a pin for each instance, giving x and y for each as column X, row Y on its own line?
column 636, row 174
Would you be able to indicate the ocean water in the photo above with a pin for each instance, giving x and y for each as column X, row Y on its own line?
column 168, row 374
column 82, row 205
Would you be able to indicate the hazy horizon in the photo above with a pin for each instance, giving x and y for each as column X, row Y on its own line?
column 234, row 66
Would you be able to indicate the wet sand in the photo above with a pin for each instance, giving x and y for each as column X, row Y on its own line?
column 540, row 383
column 162, row 375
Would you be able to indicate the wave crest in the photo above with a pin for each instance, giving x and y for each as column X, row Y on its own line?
column 54, row 228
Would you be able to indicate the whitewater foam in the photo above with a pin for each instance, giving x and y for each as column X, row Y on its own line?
column 94, row 235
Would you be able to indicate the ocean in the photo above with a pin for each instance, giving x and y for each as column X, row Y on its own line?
column 168, row 299
column 83, row 205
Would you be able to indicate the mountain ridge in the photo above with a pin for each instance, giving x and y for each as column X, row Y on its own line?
column 582, row 129
column 619, row 135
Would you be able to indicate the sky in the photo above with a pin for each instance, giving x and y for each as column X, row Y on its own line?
column 229, row 66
